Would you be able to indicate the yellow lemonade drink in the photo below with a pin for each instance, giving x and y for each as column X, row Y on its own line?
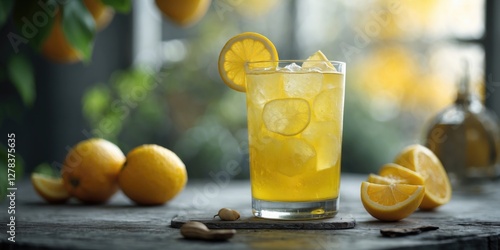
column 295, row 131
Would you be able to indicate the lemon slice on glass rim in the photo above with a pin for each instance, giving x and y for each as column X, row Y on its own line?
column 239, row 50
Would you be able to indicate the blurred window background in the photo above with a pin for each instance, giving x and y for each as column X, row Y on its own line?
column 160, row 82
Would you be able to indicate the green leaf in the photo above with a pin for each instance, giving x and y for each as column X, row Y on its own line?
column 19, row 169
column 79, row 27
column 47, row 169
column 3, row 75
column 122, row 6
column 111, row 125
column 96, row 102
column 21, row 74
column 33, row 20
column 3, row 180
column 5, row 7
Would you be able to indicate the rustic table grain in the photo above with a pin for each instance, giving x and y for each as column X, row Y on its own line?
column 468, row 221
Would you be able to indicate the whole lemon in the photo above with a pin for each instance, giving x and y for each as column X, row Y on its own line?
column 101, row 13
column 185, row 12
column 91, row 169
column 152, row 175
column 56, row 46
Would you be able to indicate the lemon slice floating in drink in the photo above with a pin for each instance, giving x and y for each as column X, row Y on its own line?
column 287, row 117
column 243, row 48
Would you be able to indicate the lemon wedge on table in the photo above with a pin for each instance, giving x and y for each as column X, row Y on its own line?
column 391, row 202
column 423, row 161
column 417, row 179
column 51, row 189
column 243, row 48
column 393, row 194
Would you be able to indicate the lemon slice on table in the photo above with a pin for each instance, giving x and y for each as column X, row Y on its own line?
column 423, row 161
column 50, row 188
column 243, row 48
column 391, row 202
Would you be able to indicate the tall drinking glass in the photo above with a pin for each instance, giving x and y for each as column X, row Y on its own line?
column 295, row 111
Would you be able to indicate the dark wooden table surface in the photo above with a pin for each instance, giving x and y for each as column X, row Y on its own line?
column 468, row 221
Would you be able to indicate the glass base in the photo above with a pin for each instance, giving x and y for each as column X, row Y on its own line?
column 295, row 210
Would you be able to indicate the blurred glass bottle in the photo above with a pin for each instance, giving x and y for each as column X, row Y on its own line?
column 466, row 138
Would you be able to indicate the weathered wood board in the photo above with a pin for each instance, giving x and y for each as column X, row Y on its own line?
column 469, row 221
column 340, row 221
